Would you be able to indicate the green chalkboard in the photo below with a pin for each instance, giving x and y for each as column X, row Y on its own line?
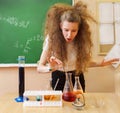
column 21, row 28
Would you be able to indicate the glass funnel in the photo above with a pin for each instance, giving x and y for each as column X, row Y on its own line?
column 68, row 94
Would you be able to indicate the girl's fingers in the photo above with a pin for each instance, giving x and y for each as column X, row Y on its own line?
column 109, row 61
column 55, row 60
column 55, row 63
column 112, row 60
column 58, row 61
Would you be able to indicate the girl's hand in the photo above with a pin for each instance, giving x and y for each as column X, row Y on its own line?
column 108, row 62
column 55, row 63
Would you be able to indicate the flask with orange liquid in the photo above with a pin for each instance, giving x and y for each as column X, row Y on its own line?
column 78, row 91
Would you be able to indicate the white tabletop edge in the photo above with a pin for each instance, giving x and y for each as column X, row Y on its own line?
column 16, row 65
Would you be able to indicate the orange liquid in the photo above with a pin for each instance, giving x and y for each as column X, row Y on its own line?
column 69, row 96
column 78, row 93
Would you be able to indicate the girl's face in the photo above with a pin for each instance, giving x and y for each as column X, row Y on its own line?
column 69, row 30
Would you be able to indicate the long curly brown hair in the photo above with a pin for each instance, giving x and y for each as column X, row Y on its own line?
column 83, row 44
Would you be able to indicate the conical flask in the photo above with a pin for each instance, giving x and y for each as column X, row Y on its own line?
column 78, row 91
column 68, row 94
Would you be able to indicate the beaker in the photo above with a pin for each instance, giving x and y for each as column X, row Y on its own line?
column 78, row 91
column 68, row 94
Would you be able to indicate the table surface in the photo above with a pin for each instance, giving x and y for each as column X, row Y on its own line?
column 95, row 103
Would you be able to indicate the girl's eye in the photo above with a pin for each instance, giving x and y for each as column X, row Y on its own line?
column 66, row 30
column 74, row 30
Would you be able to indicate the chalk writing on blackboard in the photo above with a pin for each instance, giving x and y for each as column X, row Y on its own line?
column 37, row 38
column 26, row 47
column 15, row 21
column 18, row 45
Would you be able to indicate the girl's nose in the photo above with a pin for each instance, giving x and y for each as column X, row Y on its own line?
column 69, row 34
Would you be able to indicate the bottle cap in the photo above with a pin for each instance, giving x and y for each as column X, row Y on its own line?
column 21, row 58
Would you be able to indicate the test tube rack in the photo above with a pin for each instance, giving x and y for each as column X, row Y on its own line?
column 42, row 98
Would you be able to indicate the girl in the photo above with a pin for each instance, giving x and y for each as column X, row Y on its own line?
column 67, row 46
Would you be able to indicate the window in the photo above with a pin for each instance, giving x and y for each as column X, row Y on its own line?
column 109, row 25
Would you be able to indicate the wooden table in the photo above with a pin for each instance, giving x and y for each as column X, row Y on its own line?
column 95, row 103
